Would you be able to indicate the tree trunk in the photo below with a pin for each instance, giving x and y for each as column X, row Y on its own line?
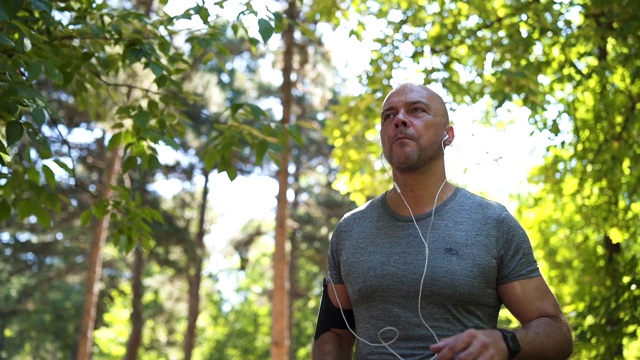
column 92, row 291
column 614, row 324
column 195, row 276
column 2, row 326
column 293, row 286
column 280, row 326
column 137, row 321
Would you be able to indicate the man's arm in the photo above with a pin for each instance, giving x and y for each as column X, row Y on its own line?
column 335, row 344
column 545, row 333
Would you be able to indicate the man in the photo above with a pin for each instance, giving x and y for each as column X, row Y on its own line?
column 422, row 271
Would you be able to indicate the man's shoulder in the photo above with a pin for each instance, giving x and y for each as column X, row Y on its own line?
column 471, row 200
column 364, row 209
column 363, row 212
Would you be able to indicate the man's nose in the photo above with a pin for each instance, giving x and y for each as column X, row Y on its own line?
column 401, row 120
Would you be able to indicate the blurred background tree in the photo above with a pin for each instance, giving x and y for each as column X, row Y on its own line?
column 184, row 95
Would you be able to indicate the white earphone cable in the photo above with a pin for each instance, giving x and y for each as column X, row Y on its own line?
column 424, row 273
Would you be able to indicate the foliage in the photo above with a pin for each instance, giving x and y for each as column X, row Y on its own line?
column 116, row 76
column 574, row 65
column 83, row 53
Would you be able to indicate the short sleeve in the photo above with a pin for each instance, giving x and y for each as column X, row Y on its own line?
column 516, row 260
column 334, row 271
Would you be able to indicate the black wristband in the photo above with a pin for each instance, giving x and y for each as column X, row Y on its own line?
column 511, row 340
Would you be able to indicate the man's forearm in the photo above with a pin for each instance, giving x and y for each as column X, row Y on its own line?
column 545, row 338
column 331, row 346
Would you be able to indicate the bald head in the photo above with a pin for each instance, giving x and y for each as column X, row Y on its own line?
column 428, row 96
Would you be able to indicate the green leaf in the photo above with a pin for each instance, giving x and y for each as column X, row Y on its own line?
column 232, row 172
column 169, row 141
column 44, row 149
column 116, row 28
column 24, row 28
column 141, row 118
column 64, row 166
column 39, row 116
column 115, row 141
column 49, row 176
column 161, row 81
column 34, row 69
column 265, row 29
column 257, row 111
column 203, row 13
column 53, row 73
column 27, row 207
column 235, row 107
column 294, row 131
column 210, row 159
column 101, row 208
column 85, row 217
column 9, row 9
column 208, row 57
column 28, row 92
column 132, row 53
column 5, row 40
column 146, row 243
column 129, row 163
column 41, row 5
column 43, row 216
column 14, row 132
column 129, row 243
column 276, row 148
column 153, row 107
column 5, row 210
column 153, row 162
column 278, row 21
column 261, row 150
column 156, row 68
column 52, row 201
column 33, row 175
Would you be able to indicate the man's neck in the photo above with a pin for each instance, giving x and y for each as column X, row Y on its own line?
column 418, row 193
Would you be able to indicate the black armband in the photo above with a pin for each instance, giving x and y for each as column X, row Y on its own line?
column 330, row 317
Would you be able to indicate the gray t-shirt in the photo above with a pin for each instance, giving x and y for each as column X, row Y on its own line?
column 474, row 245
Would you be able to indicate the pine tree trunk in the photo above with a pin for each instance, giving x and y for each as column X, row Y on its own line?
column 85, row 341
column 137, row 321
column 2, row 327
column 280, row 327
column 195, row 277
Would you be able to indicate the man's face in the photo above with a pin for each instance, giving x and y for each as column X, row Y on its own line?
column 413, row 126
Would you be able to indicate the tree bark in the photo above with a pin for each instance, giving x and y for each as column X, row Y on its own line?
column 2, row 327
column 195, row 276
column 280, row 326
column 137, row 321
column 85, row 342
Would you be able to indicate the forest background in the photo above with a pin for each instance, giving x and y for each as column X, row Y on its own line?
column 121, row 120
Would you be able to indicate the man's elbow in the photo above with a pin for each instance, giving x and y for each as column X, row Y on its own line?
column 567, row 339
column 332, row 345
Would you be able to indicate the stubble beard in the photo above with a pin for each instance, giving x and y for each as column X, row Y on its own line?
column 413, row 159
